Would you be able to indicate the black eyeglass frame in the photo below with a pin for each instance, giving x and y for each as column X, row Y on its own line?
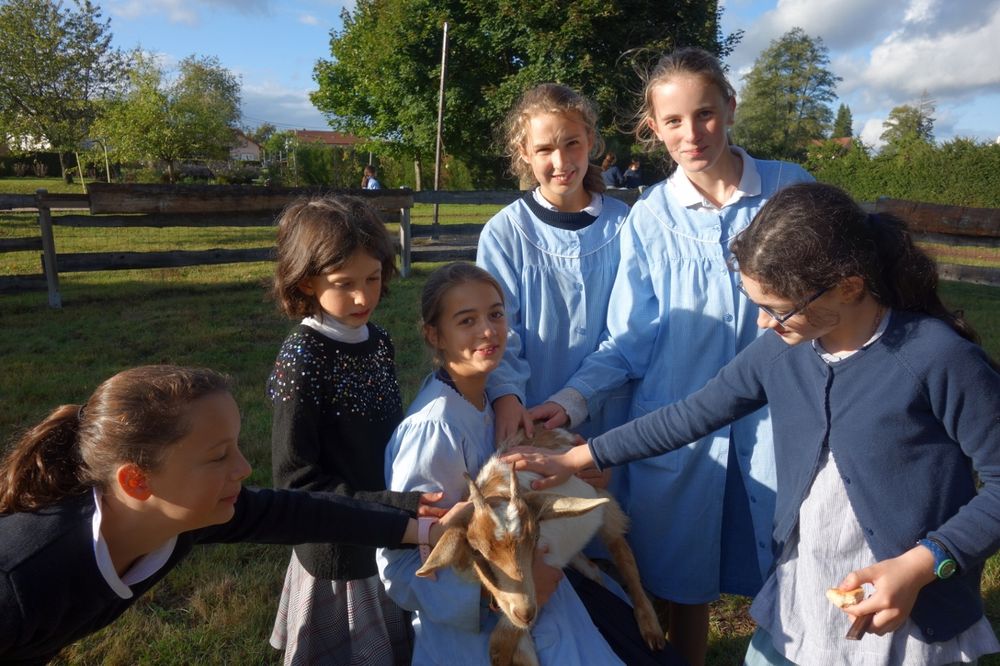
column 781, row 319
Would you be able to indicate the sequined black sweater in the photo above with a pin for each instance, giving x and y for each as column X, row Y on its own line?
column 336, row 405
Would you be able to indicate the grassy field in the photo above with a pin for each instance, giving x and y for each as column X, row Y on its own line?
column 217, row 608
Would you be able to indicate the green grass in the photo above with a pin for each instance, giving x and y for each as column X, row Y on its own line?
column 218, row 606
column 14, row 185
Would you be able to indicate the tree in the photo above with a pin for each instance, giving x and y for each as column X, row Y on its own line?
column 193, row 115
column 843, row 125
column 908, row 125
column 55, row 65
column 263, row 132
column 784, row 104
column 382, row 80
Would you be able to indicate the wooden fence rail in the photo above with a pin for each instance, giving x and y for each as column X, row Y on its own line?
column 164, row 206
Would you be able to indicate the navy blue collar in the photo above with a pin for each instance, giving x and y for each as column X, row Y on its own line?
column 558, row 219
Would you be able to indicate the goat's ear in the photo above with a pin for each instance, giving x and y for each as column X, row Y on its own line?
column 451, row 550
column 548, row 506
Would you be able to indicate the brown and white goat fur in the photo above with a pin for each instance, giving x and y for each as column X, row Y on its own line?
column 507, row 520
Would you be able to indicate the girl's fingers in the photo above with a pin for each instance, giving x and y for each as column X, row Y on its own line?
column 431, row 511
column 431, row 497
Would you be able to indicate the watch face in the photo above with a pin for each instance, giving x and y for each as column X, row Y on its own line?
column 946, row 568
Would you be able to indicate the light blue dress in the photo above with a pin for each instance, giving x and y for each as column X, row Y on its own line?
column 675, row 318
column 442, row 437
column 557, row 271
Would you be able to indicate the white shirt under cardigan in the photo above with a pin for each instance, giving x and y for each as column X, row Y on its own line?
column 827, row 545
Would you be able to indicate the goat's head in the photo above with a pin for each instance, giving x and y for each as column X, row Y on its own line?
column 498, row 542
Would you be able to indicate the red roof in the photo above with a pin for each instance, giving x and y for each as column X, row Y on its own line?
column 327, row 137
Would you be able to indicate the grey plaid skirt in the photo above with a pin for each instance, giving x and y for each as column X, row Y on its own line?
column 339, row 622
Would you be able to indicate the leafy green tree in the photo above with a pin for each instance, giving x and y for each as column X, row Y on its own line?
column 193, row 115
column 784, row 103
column 263, row 132
column 56, row 63
column 909, row 125
column 381, row 82
column 843, row 124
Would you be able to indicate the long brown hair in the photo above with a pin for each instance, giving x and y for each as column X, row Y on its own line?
column 319, row 235
column 551, row 98
column 133, row 417
column 810, row 236
column 690, row 61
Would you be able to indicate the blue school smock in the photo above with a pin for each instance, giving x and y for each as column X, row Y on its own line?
column 675, row 318
column 557, row 271
column 442, row 437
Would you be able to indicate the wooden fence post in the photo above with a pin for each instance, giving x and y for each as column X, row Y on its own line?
column 48, row 249
column 404, row 242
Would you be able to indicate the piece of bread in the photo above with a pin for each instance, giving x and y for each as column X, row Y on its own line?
column 845, row 599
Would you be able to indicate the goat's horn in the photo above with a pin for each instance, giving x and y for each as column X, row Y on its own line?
column 476, row 495
column 515, row 488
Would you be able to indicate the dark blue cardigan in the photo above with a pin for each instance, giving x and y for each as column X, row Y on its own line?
column 909, row 419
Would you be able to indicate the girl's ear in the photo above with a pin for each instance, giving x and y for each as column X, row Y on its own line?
column 305, row 285
column 133, row 482
column 731, row 105
column 431, row 336
column 851, row 289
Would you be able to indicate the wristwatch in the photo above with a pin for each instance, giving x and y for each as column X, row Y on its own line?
column 944, row 564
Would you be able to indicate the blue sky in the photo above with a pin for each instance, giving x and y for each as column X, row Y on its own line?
column 888, row 52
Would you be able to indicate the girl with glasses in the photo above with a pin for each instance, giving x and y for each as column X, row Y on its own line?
column 885, row 412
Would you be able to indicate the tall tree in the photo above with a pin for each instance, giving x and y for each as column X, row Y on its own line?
column 784, row 103
column 909, row 124
column 497, row 48
column 843, row 124
column 192, row 115
column 55, row 64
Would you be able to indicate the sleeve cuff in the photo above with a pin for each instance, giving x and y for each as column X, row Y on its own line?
column 573, row 402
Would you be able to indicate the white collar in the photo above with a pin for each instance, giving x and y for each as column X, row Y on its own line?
column 689, row 196
column 141, row 569
column 336, row 330
column 594, row 208
column 840, row 356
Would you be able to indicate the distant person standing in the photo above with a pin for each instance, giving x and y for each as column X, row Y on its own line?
column 633, row 174
column 610, row 172
column 370, row 180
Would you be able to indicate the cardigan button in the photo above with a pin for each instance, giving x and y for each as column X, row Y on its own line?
column 869, row 531
column 847, row 480
column 929, row 631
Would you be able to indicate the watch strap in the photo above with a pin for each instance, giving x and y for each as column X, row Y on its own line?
column 944, row 563
column 424, row 524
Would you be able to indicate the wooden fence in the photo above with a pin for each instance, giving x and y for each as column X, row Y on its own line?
column 112, row 205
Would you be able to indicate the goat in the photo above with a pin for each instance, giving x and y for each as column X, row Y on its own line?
column 496, row 539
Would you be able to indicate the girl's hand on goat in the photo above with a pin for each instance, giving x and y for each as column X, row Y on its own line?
column 426, row 505
column 510, row 415
column 551, row 413
column 897, row 582
column 546, row 576
column 555, row 468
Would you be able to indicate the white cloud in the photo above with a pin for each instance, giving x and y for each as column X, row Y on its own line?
column 871, row 132
column 308, row 19
column 287, row 108
column 946, row 64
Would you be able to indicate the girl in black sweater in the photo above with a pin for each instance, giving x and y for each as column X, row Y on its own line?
column 100, row 501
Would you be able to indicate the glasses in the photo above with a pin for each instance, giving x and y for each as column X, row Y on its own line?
column 782, row 318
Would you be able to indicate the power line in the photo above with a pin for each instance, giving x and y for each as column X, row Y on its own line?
column 285, row 125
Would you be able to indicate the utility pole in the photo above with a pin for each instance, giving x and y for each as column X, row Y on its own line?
column 437, row 150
